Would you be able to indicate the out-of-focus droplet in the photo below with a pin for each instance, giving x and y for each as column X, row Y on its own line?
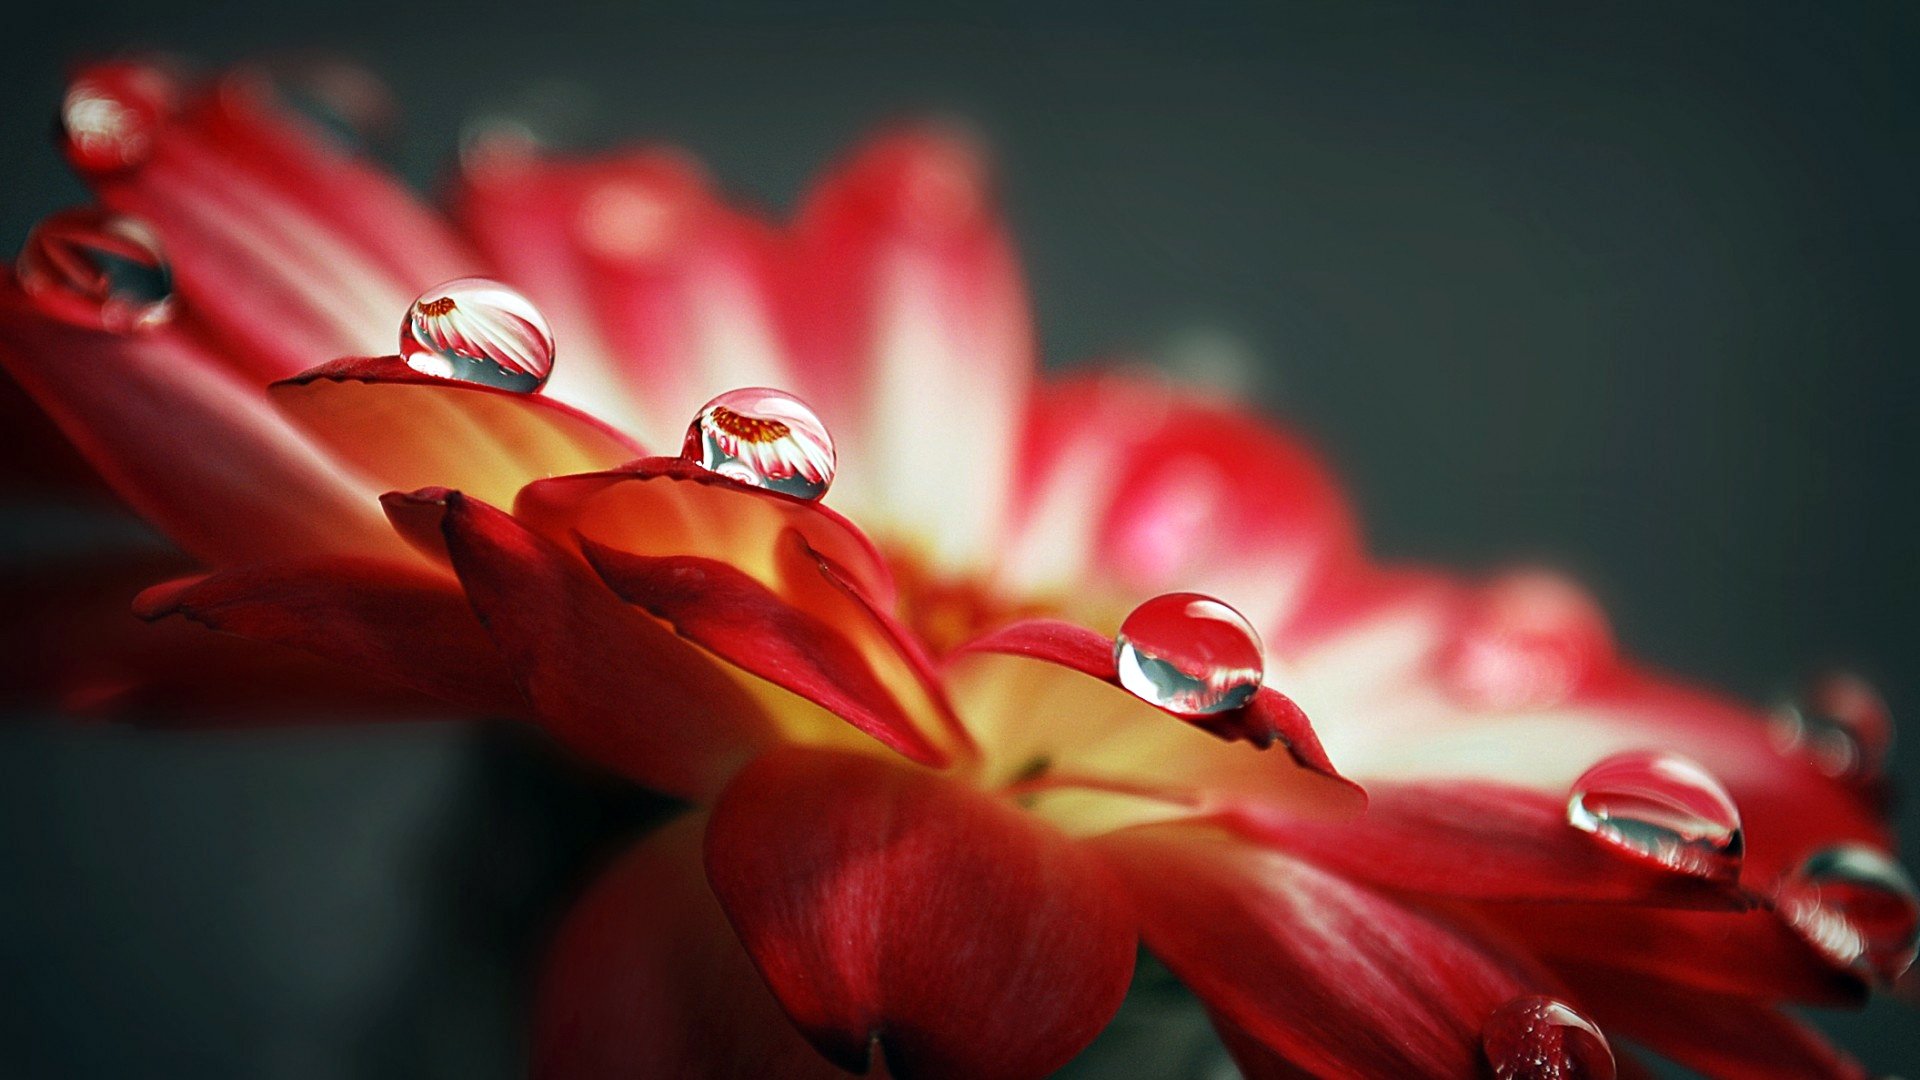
column 1856, row 905
column 348, row 102
column 113, row 112
column 1840, row 723
column 1529, row 640
column 514, row 130
column 478, row 330
column 764, row 437
column 1538, row 1038
column 97, row 269
column 1663, row 808
column 1189, row 654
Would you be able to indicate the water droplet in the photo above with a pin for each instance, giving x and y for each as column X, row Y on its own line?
column 1189, row 654
column 344, row 100
column 1529, row 640
column 767, row 438
column 98, row 269
column 1856, row 905
column 1840, row 723
column 112, row 113
column 478, row 330
column 528, row 121
column 1663, row 808
column 1538, row 1038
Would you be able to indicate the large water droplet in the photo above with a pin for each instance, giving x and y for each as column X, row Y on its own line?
column 1538, row 1038
column 478, row 330
column 1529, row 640
column 1663, row 808
column 1189, row 654
column 112, row 113
column 97, row 269
column 767, row 438
column 1856, row 905
column 1840, row 723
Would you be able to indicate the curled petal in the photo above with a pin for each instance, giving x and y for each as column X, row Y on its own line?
column 888, row 906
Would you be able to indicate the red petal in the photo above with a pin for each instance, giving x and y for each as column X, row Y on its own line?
column 646, row 979
column 605, row 679
column 1487, row 842
column 406, row 430
column 740, row 620
column 910, row 322
column 386, row 619
column 664, row 290
column 1332, row 977
column 887, row 905
column 189, row 446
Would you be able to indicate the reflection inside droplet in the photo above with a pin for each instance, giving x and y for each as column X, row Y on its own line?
column 1856, row 905
column 98, row 269
column 478, row 330
column 763, row 437
column 1189, row 654
column 1660, row 807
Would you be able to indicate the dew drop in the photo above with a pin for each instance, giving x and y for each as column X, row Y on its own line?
column 1529, row 640
column 112, row 113
column 1840, row 723
column 1538, row 1038
column 478, row 330
column 1663, row 808
column 767, row 438
column 1189, row 654
column 1857, row 906
column 97, row 269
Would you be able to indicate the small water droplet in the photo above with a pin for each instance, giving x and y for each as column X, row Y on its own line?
column 1529, row 640
column 1856, row 905
column 767, row 438
column 344, row 100
column 97, row 269
column 1538, row 1038
column 1189, row 654
column 478, row 330
column 1840, row 723
column 112, row 113
column 1660, row 807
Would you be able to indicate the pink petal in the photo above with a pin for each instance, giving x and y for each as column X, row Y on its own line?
column 889, row 907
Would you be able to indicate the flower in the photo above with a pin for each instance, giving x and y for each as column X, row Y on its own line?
column 943, row 783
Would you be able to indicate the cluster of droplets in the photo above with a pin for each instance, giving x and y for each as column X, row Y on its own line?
column 98, row 269
column 1540, row 1038
column 1661, row 808
column 1189, row 654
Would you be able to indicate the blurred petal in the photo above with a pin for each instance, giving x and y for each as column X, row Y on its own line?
column 646, row 979
column 888, row 906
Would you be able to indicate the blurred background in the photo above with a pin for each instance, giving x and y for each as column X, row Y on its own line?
column 1625, row 285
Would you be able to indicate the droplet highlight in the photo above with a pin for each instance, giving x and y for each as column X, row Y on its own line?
column 1662, row 808
column 112, row 113
column 1529, row 640
column 97, row 269
column 479, row 331
column 1856, row 905
column 1539, row 1038
column 1840, row 723
column 763, row 437
column 1189, row 654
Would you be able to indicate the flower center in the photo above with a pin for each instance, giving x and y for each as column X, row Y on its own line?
column 437, row 308
column 752, row 429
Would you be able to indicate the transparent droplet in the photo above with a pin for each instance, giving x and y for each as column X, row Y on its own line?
column 344, row 100
column 1189, row 654
column 98, row 269
column 524, row 123
column 478, row 330
column 1538, row 1038
column 1856, row 905
column 1529, row 640
column 112, row 113
column 767, row 438
column 1840, row 723
column 1663, row 808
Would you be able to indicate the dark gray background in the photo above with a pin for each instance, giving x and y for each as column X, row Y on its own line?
column 1623, row 284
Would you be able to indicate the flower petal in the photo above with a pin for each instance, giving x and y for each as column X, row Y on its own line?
column 606, row 680
column 189, row 446
column 910, row 322
column 887, row 905
column 377, row 617
column 1336, row 979
column 406, row 430
column 743, row 622
column 645, row 978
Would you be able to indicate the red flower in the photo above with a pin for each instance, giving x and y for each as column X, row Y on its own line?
column 939, row 804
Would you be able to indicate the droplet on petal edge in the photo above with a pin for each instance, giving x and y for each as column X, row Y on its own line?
column 97, row 269
column 1840, row 723
column 112, row 113
column 1856, row 905
column 1189, row 654
column 1538, row 1038
column 479, row 331
column 1662, row 808
column 1529, row 641
column 767, row 438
